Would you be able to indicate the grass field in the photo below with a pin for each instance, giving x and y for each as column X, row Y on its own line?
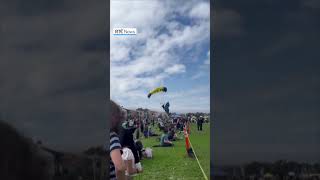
column 173, row 163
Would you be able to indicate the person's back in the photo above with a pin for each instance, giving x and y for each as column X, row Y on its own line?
column 126, row 139
column 163, row 138
column 198, row 121
column 126, row 136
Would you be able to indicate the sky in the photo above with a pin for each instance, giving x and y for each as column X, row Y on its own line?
column 171, row 49
column 267, row 81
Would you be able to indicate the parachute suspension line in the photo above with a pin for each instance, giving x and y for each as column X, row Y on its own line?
column 162, row 98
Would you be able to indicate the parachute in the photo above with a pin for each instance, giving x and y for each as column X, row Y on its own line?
column 163, row 99
column 157, row 90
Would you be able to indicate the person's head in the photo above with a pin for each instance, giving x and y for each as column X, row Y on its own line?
column 117, row 117
column 131, row 123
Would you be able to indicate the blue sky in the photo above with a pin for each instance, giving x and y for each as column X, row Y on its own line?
column 171, row 49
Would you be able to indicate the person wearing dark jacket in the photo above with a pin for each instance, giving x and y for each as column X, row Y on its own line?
column 199, row 123
column 126, row 139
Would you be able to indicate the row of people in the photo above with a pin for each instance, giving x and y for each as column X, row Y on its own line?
column 125, row 150
column 124, row 158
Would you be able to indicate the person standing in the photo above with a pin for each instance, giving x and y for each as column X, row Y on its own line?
column 199, row 123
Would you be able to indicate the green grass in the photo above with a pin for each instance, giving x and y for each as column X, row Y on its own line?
column 173, row 162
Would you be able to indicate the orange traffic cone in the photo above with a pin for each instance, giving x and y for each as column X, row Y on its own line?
column 188, row 148
column 186, row 137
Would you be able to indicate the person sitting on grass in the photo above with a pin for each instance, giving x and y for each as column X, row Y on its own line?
column 164, row 140
column 148, row 131
column 172, row 136
column 179, row 125
column 129, row 162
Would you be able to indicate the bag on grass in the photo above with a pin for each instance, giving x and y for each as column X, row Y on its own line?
column 148, row 153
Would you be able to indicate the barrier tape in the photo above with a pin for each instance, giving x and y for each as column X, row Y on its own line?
column 204, row 174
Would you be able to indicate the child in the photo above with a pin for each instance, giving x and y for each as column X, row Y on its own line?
column 130, row 165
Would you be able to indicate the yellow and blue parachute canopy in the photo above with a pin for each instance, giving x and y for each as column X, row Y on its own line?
column 157, row 90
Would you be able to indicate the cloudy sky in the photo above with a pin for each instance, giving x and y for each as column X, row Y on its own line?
column 267, row 80
column 171, row 48
column 53, row 64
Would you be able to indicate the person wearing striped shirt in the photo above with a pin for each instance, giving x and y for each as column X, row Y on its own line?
column 116, row 160
column 117, row 165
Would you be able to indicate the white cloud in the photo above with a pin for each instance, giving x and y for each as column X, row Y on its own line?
column 193, row 99
column 175, row 69
column 201, row 10
column 142, row 62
